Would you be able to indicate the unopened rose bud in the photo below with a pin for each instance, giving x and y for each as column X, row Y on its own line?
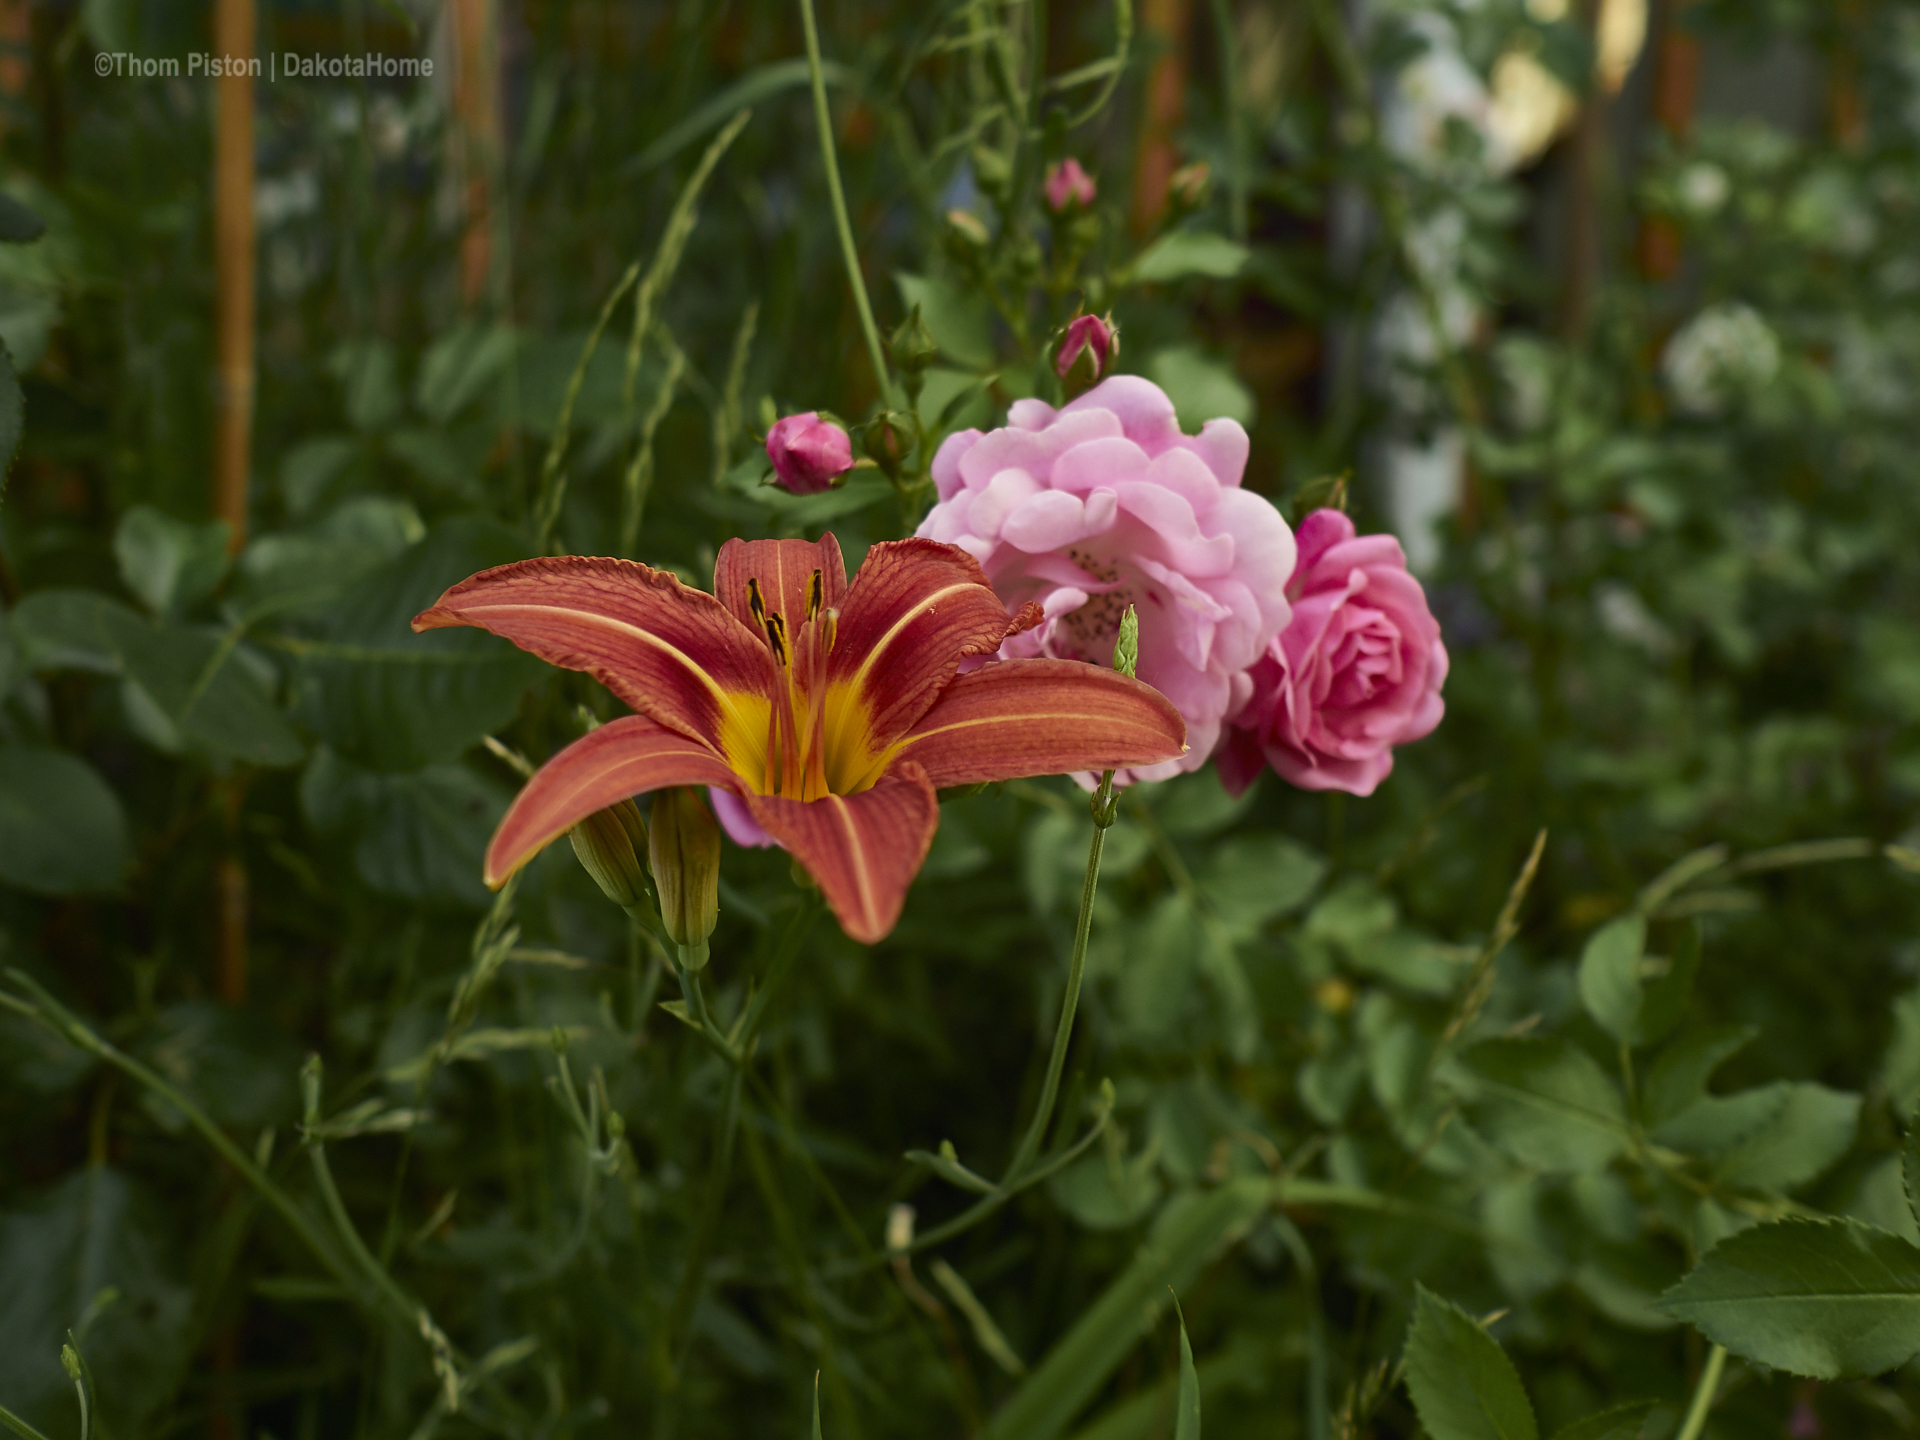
column 1068, row 186
column 1126, row 648
column 1187, row 186
column 1096, row 338
column 912, row 345
column 808, row 453
column 683, row 844
column 887, row 442
column 609, row 844
column 966, row 224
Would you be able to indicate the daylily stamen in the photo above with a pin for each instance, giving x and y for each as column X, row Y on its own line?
column 816, row 594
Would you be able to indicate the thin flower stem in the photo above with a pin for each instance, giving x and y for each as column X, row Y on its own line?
column 831, row 161
column 1103, row 814
column 1703, row 1395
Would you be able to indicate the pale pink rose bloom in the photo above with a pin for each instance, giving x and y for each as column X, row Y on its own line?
column 1067, row 184
column 808, row 453
column 1357, row 670
column 1105, row 503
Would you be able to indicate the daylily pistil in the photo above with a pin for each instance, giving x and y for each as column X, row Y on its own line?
column 833, row 711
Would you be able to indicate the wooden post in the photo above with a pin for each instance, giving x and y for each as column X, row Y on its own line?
column 1676, row 86
column 233, row 240
column 477, row 135
column 1168, row 23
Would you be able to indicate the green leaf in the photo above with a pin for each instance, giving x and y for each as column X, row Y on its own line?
column 298, row 571
column 1202, row 387
column 1180, row 254
column 960, row 320
column 816, row 1405
column 1900, row 1067
column 1253, row 879
column 1463, row 1385
column 1620, row 1422
column 169, row 564
column 420, row 836
column 749, row 90
column 65, row 629
column 1910, row 1171
column 1186, row 1409
column 92, row 1248
column 13, row 412
column 388, row 699
column 1823, row 1298
column 458, row 366
column 308, row 470
column 18, row 224
column 1667, row 995
column 62, row 831
column 1812, row 1128
column 1677, row 1080
column 1188, row 1232
column 239, row 1067
column 369, row 373
column 1107, row 1192
column 202, row 687
column 1610, row 976
column 1546, row 1103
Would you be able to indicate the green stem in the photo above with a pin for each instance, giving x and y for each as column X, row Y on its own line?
column 1703, row 1395
column 832, row 163
column 11, row 1421
column 76, row 1033
column 1103, row 811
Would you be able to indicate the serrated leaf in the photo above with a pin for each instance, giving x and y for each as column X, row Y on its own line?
column 1822, row 1298
column 1621, row 1422
column 1610, row 976
column 62, row 831
column 1812, row 1129
column 1547, row 1103
column 1463, row 1385
column 1186, row 1407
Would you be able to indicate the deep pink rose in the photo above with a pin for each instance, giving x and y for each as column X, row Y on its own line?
column 1095, row 337
column 1105, row 503
column 808, row 453
column 1067, row 184
column 1357, row 670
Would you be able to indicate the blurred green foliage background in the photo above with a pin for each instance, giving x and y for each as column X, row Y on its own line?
column 1621, row 335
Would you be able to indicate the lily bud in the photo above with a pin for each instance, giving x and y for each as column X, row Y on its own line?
column 1187, row 186
column 683, row 845
column 1095, row 337
column 912, row 345
column 1068, row 186
column 609, row 844
column 809, row 454
column 1126, row 649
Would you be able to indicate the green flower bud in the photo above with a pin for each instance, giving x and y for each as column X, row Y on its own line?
column 608, row 844
column 70, row 1362
column 887, row 441
column 967, row 225
column 912, row 345
column 684, row 847
column 1126, row 649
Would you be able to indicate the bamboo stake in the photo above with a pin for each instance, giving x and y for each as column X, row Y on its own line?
column 1168, row 22
column 1676, row 86
column 233, row 239
column 476, row 104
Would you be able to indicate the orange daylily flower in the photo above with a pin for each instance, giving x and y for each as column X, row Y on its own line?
column 834, row 711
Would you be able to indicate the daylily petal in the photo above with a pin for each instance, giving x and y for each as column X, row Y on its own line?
column 784, row 569
column 863, row 850
column 623, row 758
column 1014, row 718
column 671, row 652
column 913, row 613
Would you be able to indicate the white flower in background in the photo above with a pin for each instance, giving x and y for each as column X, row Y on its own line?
column 1723, row 352
column 1703, row 188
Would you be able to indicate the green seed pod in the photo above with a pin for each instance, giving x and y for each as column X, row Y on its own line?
column 684, row 847
column 609, row 844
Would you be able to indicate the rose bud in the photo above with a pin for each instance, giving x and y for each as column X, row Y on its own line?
column 809, row 454
column 1090, row 335
column 1068, row 186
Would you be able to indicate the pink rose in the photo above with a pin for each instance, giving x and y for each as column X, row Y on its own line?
column 1105, row 503
column 1067, row 184
column 1090, row 335
column 808, row 453
column 1357, row 670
